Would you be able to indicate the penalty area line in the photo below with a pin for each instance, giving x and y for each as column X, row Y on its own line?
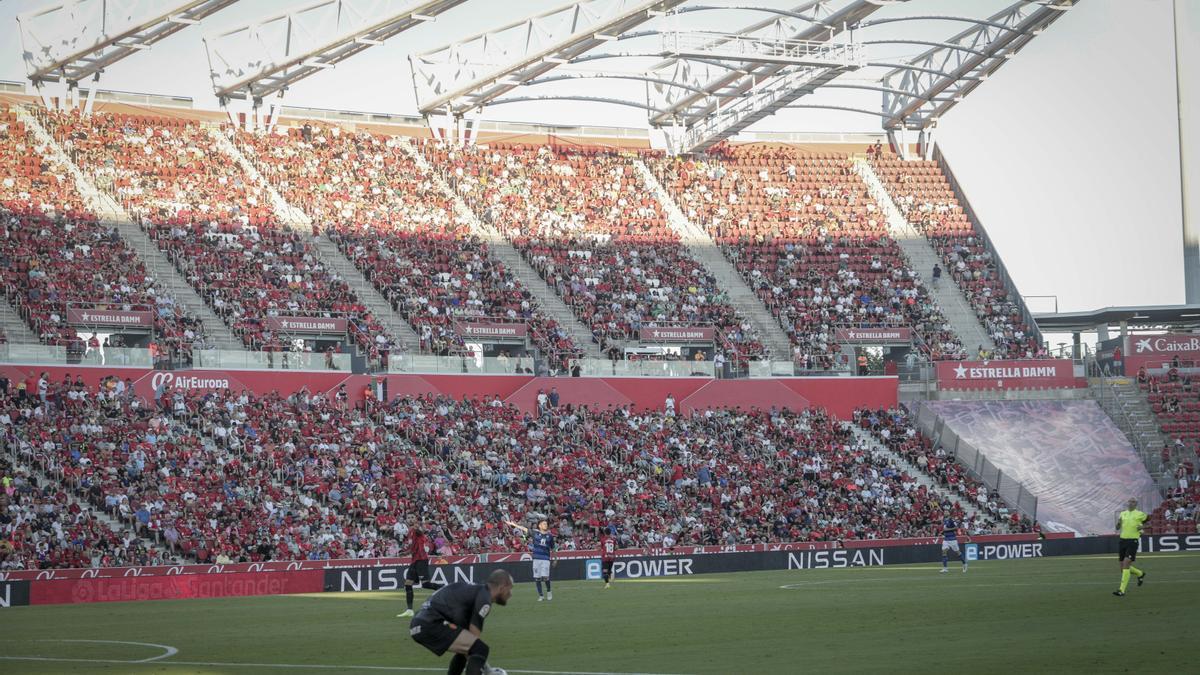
column 299, row 666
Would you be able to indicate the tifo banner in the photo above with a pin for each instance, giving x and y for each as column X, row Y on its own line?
column 887, row 336
column 1026, row 374
column 676, row 334
column 1157, row 351
column 479, row 329
column 306, row 324
column 109, row 317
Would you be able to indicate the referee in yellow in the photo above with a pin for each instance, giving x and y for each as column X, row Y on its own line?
column 1129, row 527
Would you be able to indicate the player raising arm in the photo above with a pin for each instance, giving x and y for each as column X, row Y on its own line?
column 1129, row 528
column 541, row 543
column 950, row 543
column 452, row 620
column 418, row 568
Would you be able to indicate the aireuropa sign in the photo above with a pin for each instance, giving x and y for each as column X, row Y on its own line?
column 188, row 382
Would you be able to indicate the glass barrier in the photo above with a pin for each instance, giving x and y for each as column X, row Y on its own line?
column 240, row 359
column 450, row 365
column 609, row 368
column 490, row 365
column 49, row 355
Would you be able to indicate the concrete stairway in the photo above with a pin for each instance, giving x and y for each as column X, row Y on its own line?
column 921, row 257
column 15, row 328
column 898, row 461
column 330, row 255
column 216, row 333
column 705, row 251
column 341, row 266
column 550, row 303
column 292, row 216
column 1130, row 410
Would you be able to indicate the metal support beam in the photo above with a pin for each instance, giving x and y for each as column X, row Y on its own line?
column 468, row 74
column 72, row 40
column 722, row 85
column 266, row 56
column 939, row 78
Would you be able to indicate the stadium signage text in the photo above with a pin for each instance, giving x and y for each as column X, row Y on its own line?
column 1002, row 551
column 1040, row 374
column 109, row 317
column 492, row 330
column 676, row 334
column 306, row 324
column 873, row 335
column 819, row 560
column 189, row 382
column 1156, row 351
column 392, row 578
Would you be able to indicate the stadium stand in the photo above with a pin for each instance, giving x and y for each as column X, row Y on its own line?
column 895, row 428
column 582, row 219
column 215, row 224
column 1175, row 401
column 41, row 527
column 925, row 197
column 369, row 196
column 306, row 477
column 55, row 253
column 1068, row 453
column 802, row 231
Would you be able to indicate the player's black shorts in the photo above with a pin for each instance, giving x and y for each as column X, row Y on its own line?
column 418, row 570
column 606, row 566
column 435, row 636
column 1128, row 548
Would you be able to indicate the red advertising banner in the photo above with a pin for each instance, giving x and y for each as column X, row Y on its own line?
column 888, row 336
column 476, row 329
column 313, row 325
column 1157, row 351
column 109, row 317
column 173, row 587
column 671, row 334
column 1025, row 374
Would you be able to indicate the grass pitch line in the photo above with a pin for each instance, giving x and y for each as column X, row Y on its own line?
column 155, row 661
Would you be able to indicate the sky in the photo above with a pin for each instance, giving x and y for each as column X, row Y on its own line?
column 1069, row 154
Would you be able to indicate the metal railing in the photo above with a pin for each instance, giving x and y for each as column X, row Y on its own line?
column 50, row 355
column 1016, row 495
column 229, row 359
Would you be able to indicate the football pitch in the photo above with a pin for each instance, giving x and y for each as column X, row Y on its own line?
column 1046, row 615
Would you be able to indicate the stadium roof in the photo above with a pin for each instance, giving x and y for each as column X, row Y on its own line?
column 701, row 71
column 1150, row 316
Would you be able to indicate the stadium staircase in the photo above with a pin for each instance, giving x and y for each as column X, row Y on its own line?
column 330, row 255
column 705, row 251
column 921, row 257
column 551, row 304
column 108, row 521
column 1129, row 409
column 216, row 333
column 15, row 328
column 922, row 478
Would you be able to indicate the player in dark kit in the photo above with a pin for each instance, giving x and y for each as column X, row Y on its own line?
column 418, row 569
column 452, row 620
column 608, row 555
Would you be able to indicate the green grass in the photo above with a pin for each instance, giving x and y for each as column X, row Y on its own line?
column 1049, row 615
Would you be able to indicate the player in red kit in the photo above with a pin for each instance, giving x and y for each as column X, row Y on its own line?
column 608, row 554
column 418, row 569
